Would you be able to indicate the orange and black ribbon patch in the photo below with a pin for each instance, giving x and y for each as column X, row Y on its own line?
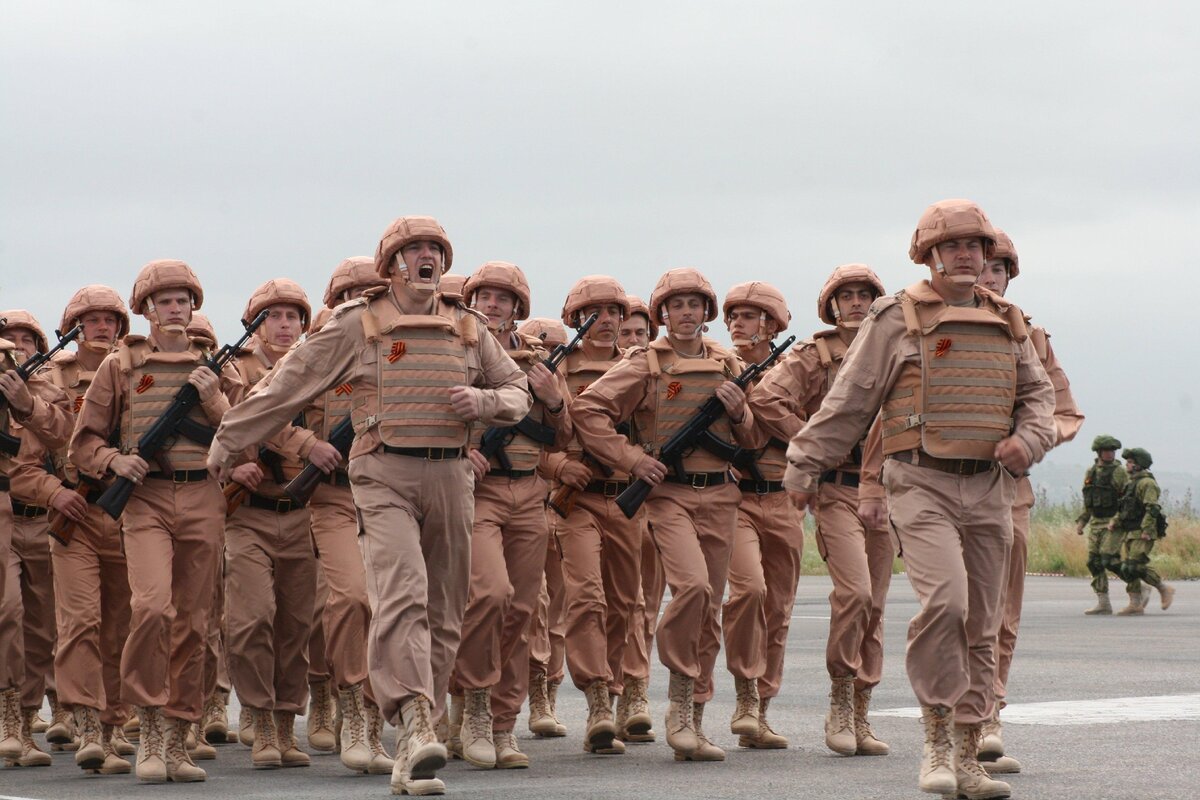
column 78, row 403
column 942, row 347
column 397, row 353
column 145, row 383
column 344, row 388
column 673, row 389
column 580, row 390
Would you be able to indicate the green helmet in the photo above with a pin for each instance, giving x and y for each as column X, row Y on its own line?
column 1139, row 456
column 1106, row 442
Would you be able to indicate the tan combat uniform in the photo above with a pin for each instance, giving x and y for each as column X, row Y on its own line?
column 415, row 508
column 171, row 528
column 508, row 549
column 951, row 381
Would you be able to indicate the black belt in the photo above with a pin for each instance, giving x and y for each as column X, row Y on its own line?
column 954, row 466
column 24, row 510
column 760, row 487
column 699, row 480
column 341, row 478
column 180, row 475
column 427, row 453
column 510, row 473
column 606, row 488
column 839, row 477
column 280, row 505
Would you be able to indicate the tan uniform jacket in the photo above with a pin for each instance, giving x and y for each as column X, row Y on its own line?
column 340, row 353
column 50, row 419
column 1068, row 419
column 871, row 367
column 108, row 394
column 627, row 388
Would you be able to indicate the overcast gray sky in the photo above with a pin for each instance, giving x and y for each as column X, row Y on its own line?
column 769, row 140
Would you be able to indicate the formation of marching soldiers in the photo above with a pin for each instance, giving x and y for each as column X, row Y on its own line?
column 419, row 505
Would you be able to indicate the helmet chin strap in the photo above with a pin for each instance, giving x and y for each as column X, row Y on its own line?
column 960, row 280
column 99, row 348
column 421, row 288
column 666, row 318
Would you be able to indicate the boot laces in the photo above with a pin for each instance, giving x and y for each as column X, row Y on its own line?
column 841, row 697
column 321, row 700
column 639, row 703
column 265, row 729
column 937, row 736
column 747, row 699
column 12, row 714
column 152, row 732
column 375, row 730
column 680, row 695
column 213, row 708
column 27, row 718
column 968, row 752
column 539, row 700
column 698, row 722
column 478, row 714
column 177, row 742
column 598, row 702
column 352, row 713
column 862, row 727
column 285, row 730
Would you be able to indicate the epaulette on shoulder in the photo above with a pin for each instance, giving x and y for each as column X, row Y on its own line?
column 634, row 351
column 825, row 334
column 479, row 315
column 884, row 302
column 359, row 302
column 716, row 349
column 132, row 339
column 63, row 358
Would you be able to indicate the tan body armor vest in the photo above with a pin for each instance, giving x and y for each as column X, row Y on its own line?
column 831, row 352
column 523, row 453
column 580, row 372
column 957, row 401
column 252, row 367
column 153, row 378
column 417, row 359
column 683, row 385
column 68, row 374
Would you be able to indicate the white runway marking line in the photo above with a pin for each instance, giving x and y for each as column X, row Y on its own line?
column 1089, row 712
column 14, row 797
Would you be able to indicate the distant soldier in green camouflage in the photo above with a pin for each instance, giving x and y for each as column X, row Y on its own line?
column 1142, row 520
column 1102, row 487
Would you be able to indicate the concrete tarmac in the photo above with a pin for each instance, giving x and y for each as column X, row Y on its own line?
column 1098, row 743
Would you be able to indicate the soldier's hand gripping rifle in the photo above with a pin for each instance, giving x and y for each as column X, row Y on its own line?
column 301, row 487
column 495, row 439
column 695, row 433
column 173, row 422
column 11, row 445
column 235, row 493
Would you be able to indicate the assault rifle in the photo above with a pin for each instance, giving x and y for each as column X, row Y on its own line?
column 495, row 439
column 11, row 445
column 173, row 422
column 696, row 433
column 301, row 487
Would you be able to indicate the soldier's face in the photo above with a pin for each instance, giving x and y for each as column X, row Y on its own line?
column 23, row 338
column 634, row 332
column 685, row 313
column 745, row 322
column 283, row 325
column 994, row 276
column 962, row 257
column 1131, row 465
column 854, row 300
column 1108, row 456
column 172, row 307
column 498, row 305
column 423, row 260
column 100, row 327
column 608, row 321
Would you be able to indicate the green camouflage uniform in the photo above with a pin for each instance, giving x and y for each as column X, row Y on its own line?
column 1103, row 485
column 1139, row 521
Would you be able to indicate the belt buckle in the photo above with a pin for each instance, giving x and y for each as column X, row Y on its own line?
column 441, row 454
column 283, row 505
column 699, row 480
column 762, row 487
column 29, row 512
column 175, row 476
column 612, row 489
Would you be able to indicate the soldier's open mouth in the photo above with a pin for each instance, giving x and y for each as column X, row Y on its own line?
column 425, row 273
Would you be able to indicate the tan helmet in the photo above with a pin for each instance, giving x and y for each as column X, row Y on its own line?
column 20, row 318
column 411, row 229
column 593, row 290
column 95, row 297
column 500, row 275
column 846, row 273
column 201, row 329
column 278, row 291
column 550, row 331
column 951, row 219
column 760, row 295
column 319, row 321
column 353, row 273
column 452, row 284
column 163, row 274
column 638, row 306
column 1006, row 250
column 682, row 280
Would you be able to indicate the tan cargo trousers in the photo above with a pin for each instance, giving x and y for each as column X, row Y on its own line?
column 1014, row 586
column 601, row 566
column 270, row 585
column 860, row 564
column 12, row 655
column 693, row 530
column 954, row 533
column 547, row 632
column 764, row 568
column 172, row 541
column 91, row 592
column 416, row 548
column 641, row 633
column 508, row 551
column 30, row 562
